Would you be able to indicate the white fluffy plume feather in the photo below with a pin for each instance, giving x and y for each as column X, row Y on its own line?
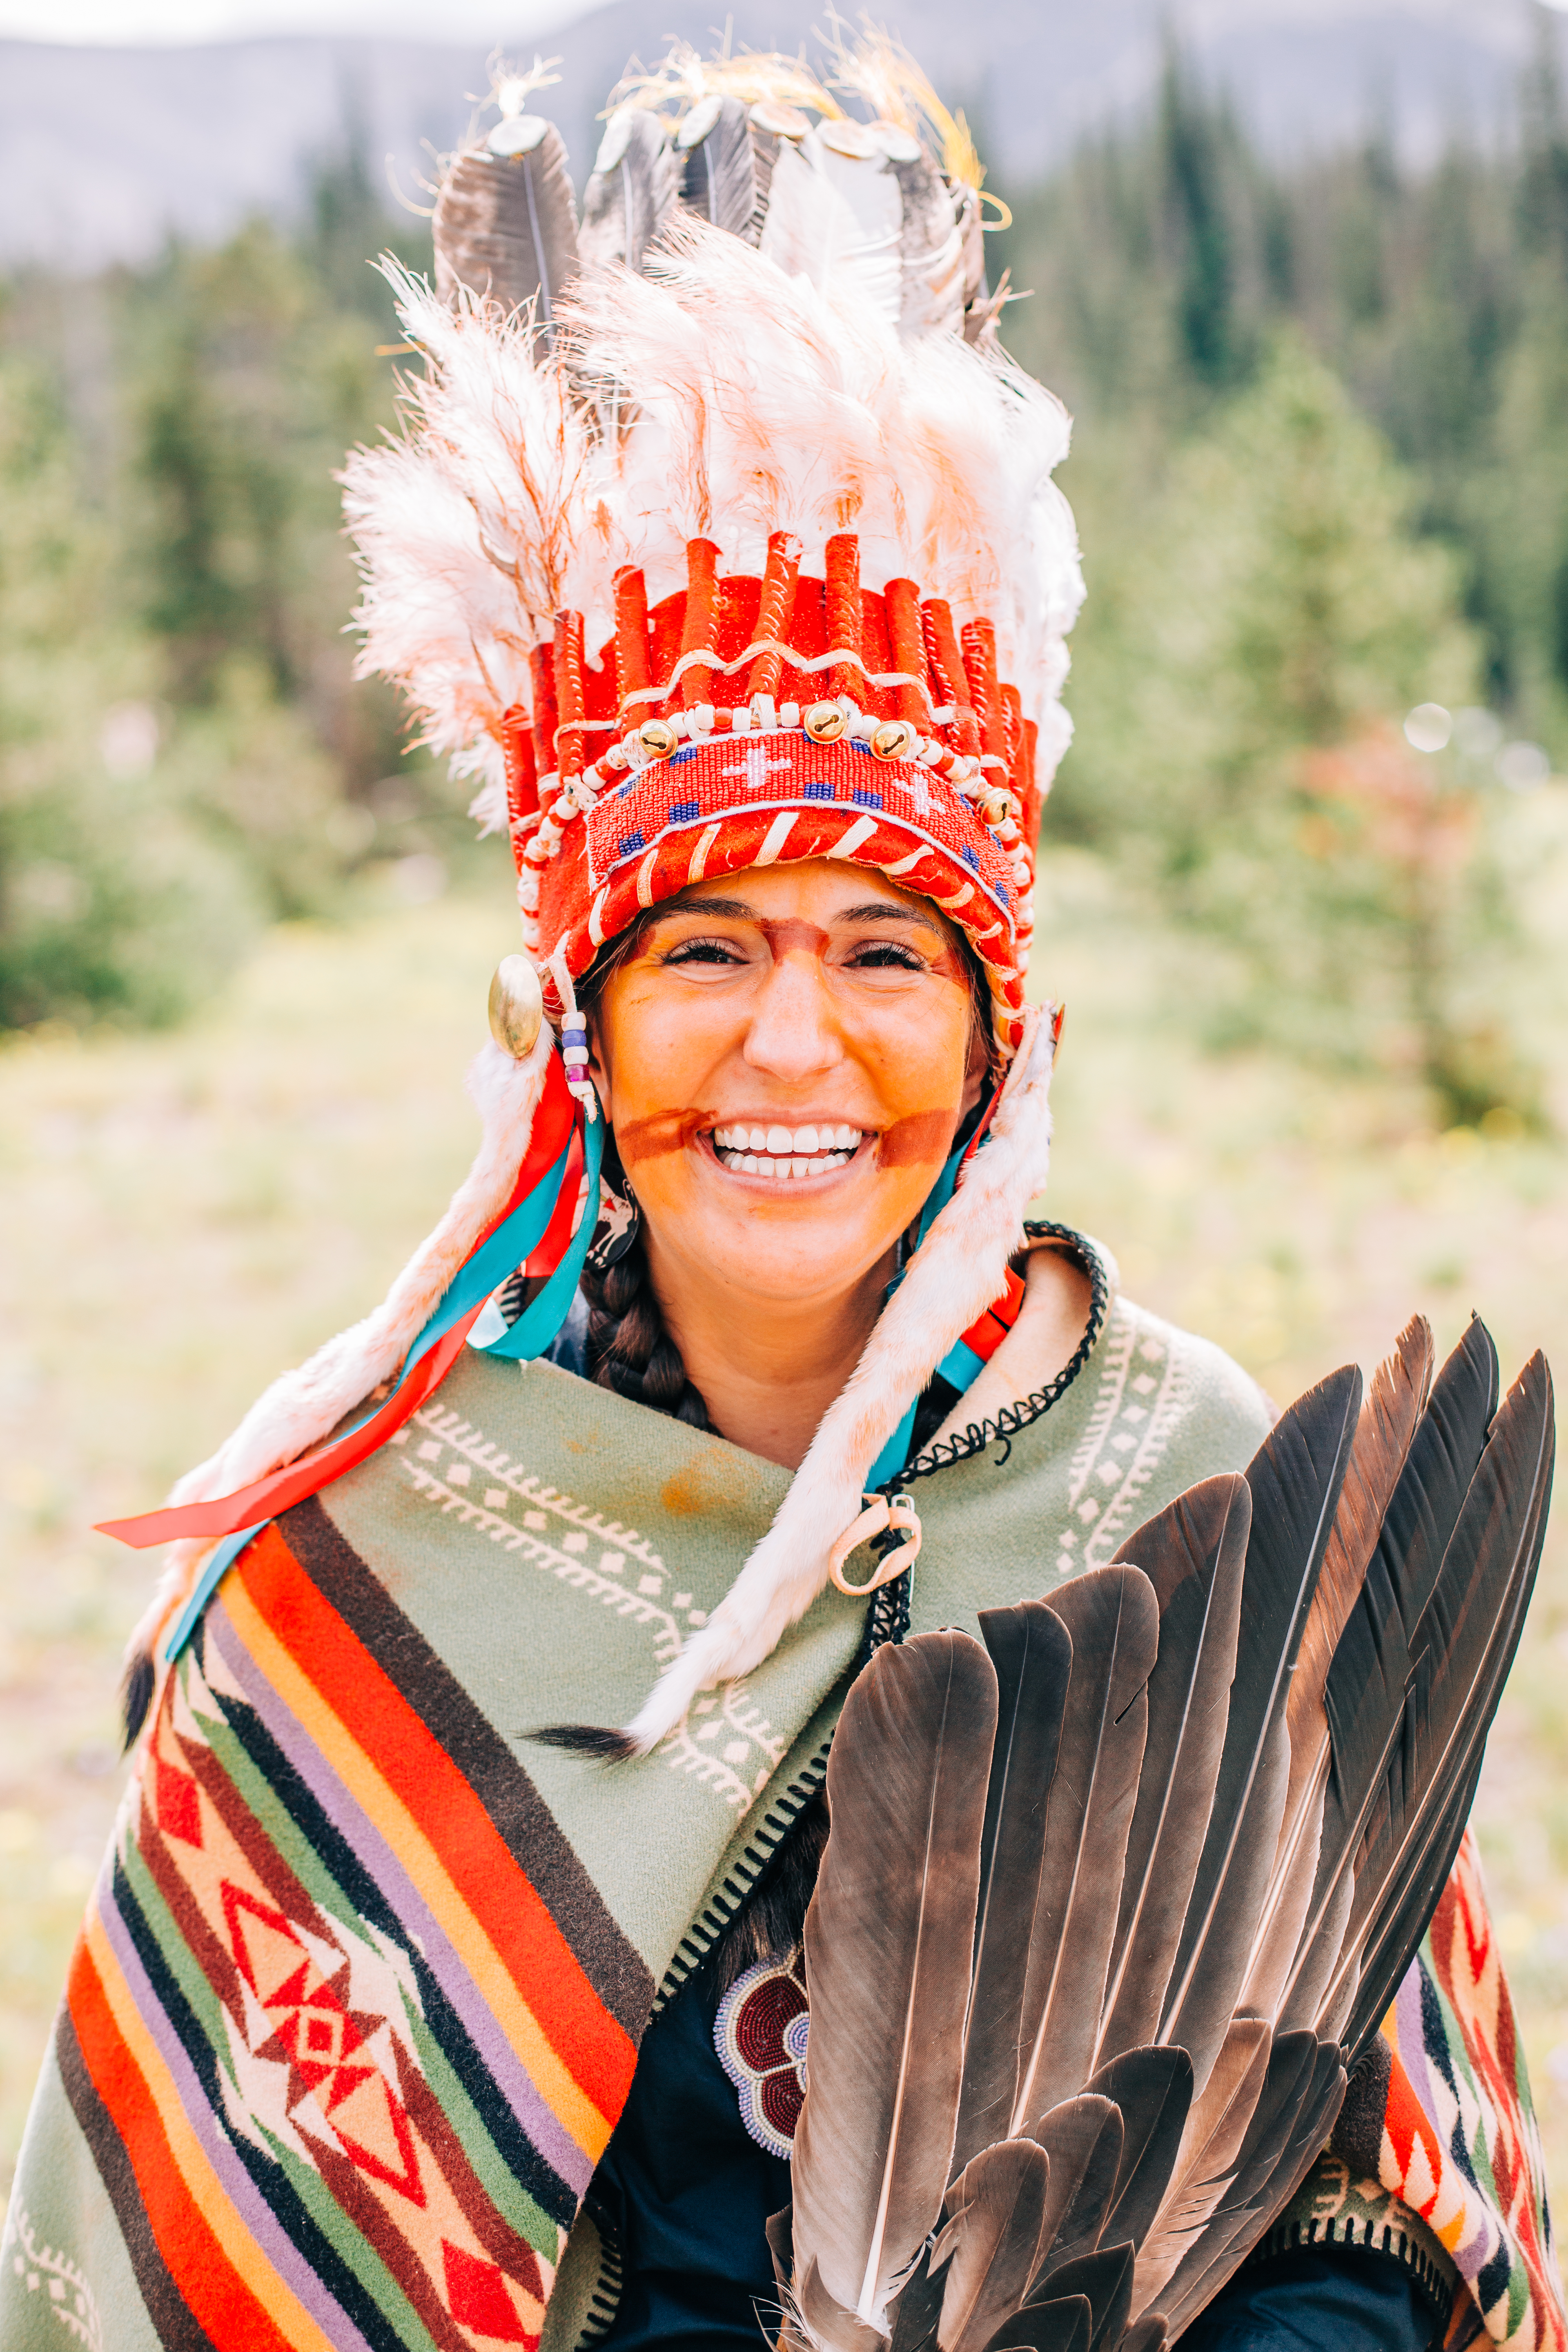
column 960, row 1268
column 763, row 397
column 466, row 526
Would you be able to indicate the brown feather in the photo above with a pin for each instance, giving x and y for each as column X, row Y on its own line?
column 1393, row 1405
column 1295, row 1477
column 1210, row 2146
column 506, row 227
column 1114, row 1618
column 888, row 1940
column 827, row 2323
column 1194, row 1554
column 1083, row 2138
column 914, row 2314
column 1302, row 2086
column 1105, row 2278
column 725, row 176
column 1064, row 2325
column 625, row 206
column 998, row 2209
column 1459, row 1654
column 1153, row 2088
column 1031, row 1650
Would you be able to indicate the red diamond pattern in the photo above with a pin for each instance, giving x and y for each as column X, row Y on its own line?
column 318, row 2036
column 179, row 1808
column 477, row 2297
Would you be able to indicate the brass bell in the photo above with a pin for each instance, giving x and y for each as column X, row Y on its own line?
column 894, row 740
column 997, row 808
column 517, row 1006
column 657, row 738
column 825, row 723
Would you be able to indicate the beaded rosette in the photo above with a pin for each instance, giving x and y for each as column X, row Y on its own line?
column 760, row 2033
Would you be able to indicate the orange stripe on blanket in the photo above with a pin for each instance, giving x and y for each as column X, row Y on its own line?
column 492, row 1975
column 591, row 2046
column 204, row 2243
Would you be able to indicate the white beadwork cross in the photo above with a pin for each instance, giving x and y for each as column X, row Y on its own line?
column 756, row 766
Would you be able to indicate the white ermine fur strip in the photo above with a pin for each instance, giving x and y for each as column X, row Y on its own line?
column 959, row 1269
column 303, row 1405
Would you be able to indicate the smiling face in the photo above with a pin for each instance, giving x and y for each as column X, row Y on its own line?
column 785, row 1058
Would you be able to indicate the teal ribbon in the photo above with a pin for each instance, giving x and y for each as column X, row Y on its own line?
column 539, row 1323
column 896, row 1451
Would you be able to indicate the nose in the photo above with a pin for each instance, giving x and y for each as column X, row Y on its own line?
column 793, row 1035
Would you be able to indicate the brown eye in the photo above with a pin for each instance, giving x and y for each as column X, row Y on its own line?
column 702, row 951
column 886, row 956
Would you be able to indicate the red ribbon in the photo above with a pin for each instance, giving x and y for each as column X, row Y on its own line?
column 279, row 1490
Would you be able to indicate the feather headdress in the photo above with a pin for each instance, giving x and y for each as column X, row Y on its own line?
column 761, row 455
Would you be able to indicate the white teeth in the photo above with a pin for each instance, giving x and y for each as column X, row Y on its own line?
column 781, row 1142
column 749, row 1163
column 779, row 1152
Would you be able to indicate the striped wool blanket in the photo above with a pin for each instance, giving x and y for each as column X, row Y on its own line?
column 358, row 1996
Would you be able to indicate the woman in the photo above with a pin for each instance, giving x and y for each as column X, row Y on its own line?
column 500, row 1714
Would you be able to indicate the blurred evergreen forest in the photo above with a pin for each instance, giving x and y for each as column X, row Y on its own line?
column 1321, row 469
column 184, row 756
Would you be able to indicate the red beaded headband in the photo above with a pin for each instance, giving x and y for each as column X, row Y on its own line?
column 871, row 729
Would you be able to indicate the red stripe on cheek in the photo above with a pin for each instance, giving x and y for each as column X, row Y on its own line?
column 920, row 1140
column 658, row 1135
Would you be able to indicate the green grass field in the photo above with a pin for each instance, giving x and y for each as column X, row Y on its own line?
column 186, row 1214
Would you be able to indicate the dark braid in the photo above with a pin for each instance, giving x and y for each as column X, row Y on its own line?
column 629, row 1349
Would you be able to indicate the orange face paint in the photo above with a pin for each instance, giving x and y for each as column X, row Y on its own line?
column 793, row 997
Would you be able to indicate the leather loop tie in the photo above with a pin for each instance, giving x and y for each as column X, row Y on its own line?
column 878, row 1514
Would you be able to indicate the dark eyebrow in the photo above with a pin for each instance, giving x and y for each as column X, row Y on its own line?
column 875, row 910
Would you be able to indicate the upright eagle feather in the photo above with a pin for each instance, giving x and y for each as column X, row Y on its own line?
column 1007, row 2141
column 506, row 222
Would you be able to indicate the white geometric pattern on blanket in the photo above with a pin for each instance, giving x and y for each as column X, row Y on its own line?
column 734, row 1730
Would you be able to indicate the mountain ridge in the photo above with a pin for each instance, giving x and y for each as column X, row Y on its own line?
column 115, row 149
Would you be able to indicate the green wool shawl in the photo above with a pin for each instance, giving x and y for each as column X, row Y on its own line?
column 536, row 1548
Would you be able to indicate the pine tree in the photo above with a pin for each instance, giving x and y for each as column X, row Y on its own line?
column 1237, row 701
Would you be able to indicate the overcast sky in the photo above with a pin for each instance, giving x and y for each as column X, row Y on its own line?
column 147, row 21
column 139, row 21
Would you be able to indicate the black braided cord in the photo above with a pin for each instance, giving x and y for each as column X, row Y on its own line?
column 888, row 1618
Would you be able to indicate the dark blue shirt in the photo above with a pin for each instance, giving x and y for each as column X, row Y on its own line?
column 687, row 2193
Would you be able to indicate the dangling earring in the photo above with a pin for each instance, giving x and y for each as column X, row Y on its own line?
column 620, row 1219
